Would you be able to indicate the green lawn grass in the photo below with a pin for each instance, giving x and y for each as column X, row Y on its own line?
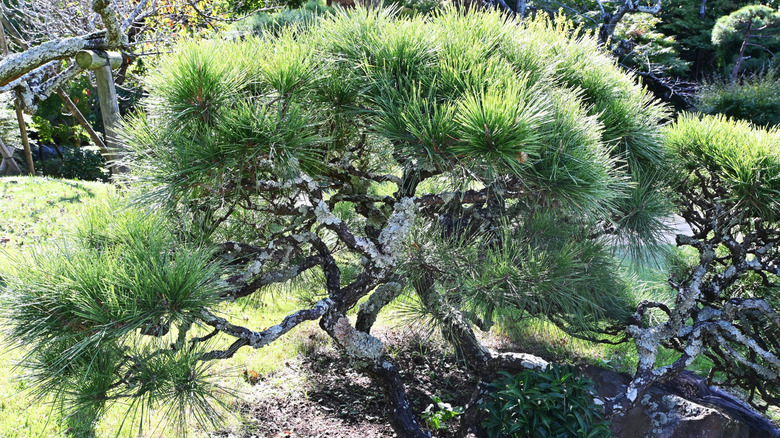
column 33, row 210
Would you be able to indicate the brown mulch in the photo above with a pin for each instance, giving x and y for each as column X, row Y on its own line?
column 336, row 401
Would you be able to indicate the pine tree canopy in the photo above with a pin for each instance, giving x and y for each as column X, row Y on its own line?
column 471, row 102
column 483, row 165
column 732, row 27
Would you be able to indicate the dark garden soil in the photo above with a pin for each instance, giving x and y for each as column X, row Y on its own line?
column 334, row 400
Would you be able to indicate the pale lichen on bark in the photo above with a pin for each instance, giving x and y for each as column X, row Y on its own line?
column 358, row 345
column 399, row 225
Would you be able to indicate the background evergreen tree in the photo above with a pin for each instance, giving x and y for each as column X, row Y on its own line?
column 691, row 24
column 750, row 32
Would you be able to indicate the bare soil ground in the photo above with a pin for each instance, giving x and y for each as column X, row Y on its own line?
column 326, row 397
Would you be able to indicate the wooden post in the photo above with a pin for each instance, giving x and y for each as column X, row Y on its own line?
column 102, row 63
column 25, row 141
column 19, row 115
column 7, row 161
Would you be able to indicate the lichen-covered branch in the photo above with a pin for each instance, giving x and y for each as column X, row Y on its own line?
column 115, row 38
column 33, row 88
column 48, row 34
column 17, row 64
column 262, row 338
column 382, row 296
column 713, row 313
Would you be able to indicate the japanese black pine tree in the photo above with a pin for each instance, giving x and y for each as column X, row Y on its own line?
column 485, row 166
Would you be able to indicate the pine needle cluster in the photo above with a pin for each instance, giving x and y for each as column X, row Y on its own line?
column 98, row 315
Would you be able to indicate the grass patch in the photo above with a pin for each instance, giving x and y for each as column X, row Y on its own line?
column 34, row 209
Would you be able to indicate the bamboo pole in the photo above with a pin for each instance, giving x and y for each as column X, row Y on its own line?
column 83, row 122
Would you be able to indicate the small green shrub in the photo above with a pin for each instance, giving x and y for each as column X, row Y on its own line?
column 437, row 415
column 414, row 7
column 86, row 164
column 49, row 168
column 754, row 99
column 552, row 403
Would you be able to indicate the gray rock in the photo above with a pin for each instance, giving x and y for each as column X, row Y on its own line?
column 683, row 408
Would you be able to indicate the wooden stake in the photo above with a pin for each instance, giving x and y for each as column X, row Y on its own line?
column 19, row 114
column 8, row 160
column 25, row 141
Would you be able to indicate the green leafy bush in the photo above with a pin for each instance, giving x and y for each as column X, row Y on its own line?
column 754, row 99
column 86, row 164
column 552, row 403
column 55, row 124
column 273, row 23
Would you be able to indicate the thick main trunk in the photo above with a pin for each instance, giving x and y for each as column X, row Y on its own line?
column 367, row 353
column 482, row 360
column 402, row 418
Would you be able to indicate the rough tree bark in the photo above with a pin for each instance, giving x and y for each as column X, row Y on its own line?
column 741, row 56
